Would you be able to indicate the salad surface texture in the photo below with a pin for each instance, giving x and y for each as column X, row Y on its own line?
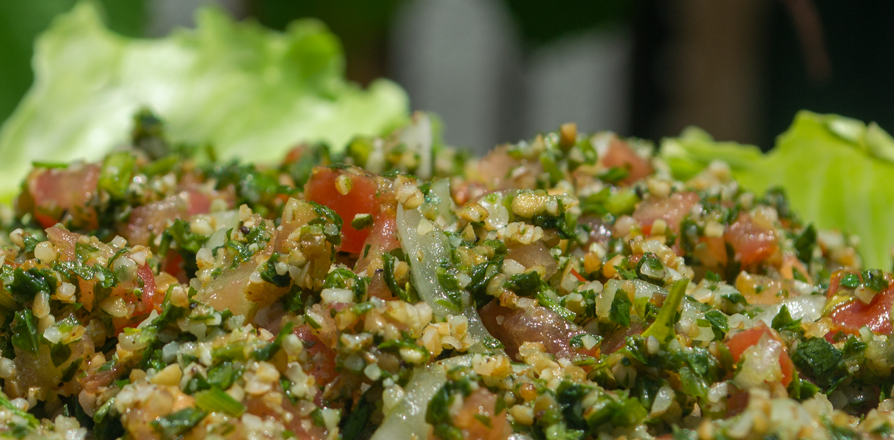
column 565, row 287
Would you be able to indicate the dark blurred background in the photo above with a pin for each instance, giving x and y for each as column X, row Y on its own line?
column 502, row 70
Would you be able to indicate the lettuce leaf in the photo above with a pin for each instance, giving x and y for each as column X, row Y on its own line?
column 838, row 173
column 249, row 91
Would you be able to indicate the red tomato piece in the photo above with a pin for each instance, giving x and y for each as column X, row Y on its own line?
column 743, row 340
column 172, row 266
column 852, row 316
column 671, row 209
column 537, row 324
column 198, row 203
column 835, row 281
column 149, row 220
column 620, row 155
column 321, row 357
column 295, row 154
column 479, row 420
column 711, row 252
column 56, row 192
column 150, row 299
column 752, row 243
column 360, row 199
column 382, row 236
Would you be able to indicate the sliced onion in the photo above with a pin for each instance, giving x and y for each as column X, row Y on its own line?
column 605, row 299
column 408, row 417
column 425, row 252
column 418, row 136
column 805, row 307
column 222, row 221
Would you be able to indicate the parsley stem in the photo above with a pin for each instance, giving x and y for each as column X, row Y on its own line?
column 663, row 327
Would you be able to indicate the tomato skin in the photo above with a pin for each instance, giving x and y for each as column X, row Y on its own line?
column 852, row 316
column 382, row 237
column 620, row 155
column 671, row 209
column 751, row 242
column 322, row 357
column 482, row 405
column 361, row 199
column 150, row 298
column 835, row 281
column 711, row 251
column 743, row 340
column 55, row 192
column 514, row 327
column 578, row 276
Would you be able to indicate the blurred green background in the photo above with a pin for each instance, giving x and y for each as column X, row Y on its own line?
column 740, row 69
column 21, row 22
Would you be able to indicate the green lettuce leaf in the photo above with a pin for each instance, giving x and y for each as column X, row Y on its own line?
column 838, row 173
column 249, row 91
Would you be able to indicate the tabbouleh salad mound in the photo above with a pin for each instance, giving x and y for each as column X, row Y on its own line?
column 560, row 288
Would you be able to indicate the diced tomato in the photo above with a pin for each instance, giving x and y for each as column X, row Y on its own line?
column 534, row 255
column 620, row 155
column 150, row 299
column 741, row 341
column 791, row 265
column 64, row 241
column 197, row 203
column 495, row 167
column 617, row 339
column 383, row 235
column 57, row 192
column 172, row 266
column 499, row 170
column 835, row 281
column 360, row 199
column 377, row 287
column 537, row 324
column 711, row 253
column 464, row 191
column 479, row 420
column 295, row 154
column 600, row 230
column 98, row 378
column 299, row 423
column 321, row 358
column 736, row 402
column 852, row 316
column 149, row 220
column 671, row 209
column 760, row 289
column 752, row 243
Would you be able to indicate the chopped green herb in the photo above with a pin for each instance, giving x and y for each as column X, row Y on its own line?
column 271, row 275
column 783, row 320
column 176, row 425
column 818, row 359
column 805, row 243
column 362, row 221
column 396, row 289
column 59, row 353
column 27, row 283
column 24, row 332
column 215, row 400
column 620, row 309
column 267, row 352
column 663, row 327
column 116, row 174
column 850, row 280
column 719, row 323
